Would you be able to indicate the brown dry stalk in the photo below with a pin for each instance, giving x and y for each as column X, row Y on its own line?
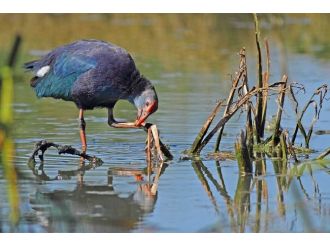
column 281, row 97
column 265, row 93
column 259, row 106
column 163, row 148
column 145, row 126
column 153, row 143
column 321, row 92
column 205, row 127
column 155, row 136
column 232, row 110
column 43, row 145
column 242, row 71
column 149, row 136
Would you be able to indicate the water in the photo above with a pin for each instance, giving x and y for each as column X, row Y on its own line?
column 189, row 59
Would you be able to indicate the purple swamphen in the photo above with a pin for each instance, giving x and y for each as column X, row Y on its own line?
column 94, row 73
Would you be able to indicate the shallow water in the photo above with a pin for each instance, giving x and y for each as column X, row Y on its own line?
column 192, row 196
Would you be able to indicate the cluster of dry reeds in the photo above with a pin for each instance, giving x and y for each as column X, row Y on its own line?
column 254, row 102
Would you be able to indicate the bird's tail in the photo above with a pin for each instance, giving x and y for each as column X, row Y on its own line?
column 31, row 66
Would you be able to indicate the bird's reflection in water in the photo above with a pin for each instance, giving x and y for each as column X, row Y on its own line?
column 95, row 208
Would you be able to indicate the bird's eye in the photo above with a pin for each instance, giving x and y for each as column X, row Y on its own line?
column 147, row 103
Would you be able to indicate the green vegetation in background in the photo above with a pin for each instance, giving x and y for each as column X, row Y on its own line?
column 6, row 143
column 163, row 34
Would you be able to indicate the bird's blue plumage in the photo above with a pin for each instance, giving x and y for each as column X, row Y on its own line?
column 63, row 73
column 91, row 73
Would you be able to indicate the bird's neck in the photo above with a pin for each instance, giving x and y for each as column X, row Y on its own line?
column 138, row 85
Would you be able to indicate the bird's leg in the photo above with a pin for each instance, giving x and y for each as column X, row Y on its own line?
column 113, row 123
column 82, row 126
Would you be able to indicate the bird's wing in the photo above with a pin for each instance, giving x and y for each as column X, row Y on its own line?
column 68, row 64
column 55, row 79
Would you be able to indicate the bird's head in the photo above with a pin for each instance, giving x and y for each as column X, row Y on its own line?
column 146, row 104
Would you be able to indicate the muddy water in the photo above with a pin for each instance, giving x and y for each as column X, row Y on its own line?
column 190, row 65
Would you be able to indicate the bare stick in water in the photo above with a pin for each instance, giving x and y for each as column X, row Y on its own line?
column 281, row 97
column 205, row 127
column 258, row 118
column 265, row 93
column 242, row 70
column 321, row 92
column 43, row 145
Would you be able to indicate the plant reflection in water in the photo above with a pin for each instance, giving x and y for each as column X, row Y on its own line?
column 249, row 208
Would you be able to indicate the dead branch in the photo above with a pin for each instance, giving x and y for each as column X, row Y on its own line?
column 281, row 97
column 259, row 105
column 205, row 127
column 43, row 145
column 145, row 126
column 265, row 94
column 242, row 71
column 321, row 92
column 159, row 145
column 232, row 110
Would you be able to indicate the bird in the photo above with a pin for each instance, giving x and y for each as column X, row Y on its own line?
column 94, row 74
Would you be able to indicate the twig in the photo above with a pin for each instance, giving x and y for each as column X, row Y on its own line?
column 281, row 97
column 249, row 109
column 204, row 129
column 149, row 136
column 43, row 145
column 145, row 126
column 249, row 128
column 162, row 147
column 242, row 70
column 324, row 154
column 259, row 107
column 265, row 94
column 155, row 136
column 321, row 91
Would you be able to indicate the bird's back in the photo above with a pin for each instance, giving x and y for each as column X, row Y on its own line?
column 89, row 72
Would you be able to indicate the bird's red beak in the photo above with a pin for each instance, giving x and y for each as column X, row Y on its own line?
column 145, row 113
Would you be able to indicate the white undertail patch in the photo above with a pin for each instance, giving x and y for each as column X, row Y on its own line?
column 42, row 71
